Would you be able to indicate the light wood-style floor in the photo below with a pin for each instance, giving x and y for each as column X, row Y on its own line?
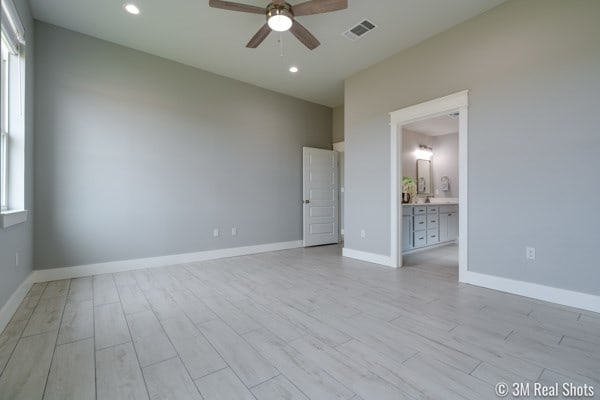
column 297, row 324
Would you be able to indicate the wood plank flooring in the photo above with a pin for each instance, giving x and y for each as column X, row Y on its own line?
column 296, row 324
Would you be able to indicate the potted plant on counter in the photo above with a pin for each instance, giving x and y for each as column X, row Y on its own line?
column 409, row 189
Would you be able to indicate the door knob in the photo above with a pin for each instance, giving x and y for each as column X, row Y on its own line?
column 306, row 201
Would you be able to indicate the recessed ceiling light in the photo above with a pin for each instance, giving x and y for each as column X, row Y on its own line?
column 293, row 69
column 132, row 9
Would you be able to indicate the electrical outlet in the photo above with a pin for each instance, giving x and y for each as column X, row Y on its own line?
column 216, row 232
column 16, row 259
column 234, row 231
column 530, row 253
column 363, row 233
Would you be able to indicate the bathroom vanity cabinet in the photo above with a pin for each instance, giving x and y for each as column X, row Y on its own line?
column 425, row 225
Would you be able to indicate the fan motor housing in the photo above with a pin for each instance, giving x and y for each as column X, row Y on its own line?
column 279, row 9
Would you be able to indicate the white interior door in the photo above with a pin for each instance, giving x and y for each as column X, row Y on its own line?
column 321, row 199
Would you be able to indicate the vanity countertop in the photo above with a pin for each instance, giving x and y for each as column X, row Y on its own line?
column 431, row 204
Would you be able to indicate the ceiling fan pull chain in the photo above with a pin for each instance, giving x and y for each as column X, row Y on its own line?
column 281, row 44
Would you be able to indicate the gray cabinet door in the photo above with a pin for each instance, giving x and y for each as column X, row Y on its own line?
column 448, row 226
column 407, row 233
column 443, row 223
column 452, row 226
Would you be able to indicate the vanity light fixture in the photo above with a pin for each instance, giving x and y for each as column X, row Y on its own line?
column 424, row 152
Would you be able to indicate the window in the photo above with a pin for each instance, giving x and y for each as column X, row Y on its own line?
column 12, row 113
column 4, row 125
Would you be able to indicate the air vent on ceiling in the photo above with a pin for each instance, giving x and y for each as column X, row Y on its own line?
column 359, row 30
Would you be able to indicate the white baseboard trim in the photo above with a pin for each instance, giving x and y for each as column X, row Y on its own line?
column 45, row 275
column 14, row 301
column 550, row 294
column 368, row 257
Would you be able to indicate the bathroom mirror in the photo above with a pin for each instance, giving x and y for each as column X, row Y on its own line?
column 424, row 177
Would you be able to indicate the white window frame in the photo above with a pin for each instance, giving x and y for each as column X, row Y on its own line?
column 4, row 124
column 12, row 127
column 4, row 171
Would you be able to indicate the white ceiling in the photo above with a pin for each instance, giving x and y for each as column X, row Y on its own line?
column 190, row 32
column 438, row 126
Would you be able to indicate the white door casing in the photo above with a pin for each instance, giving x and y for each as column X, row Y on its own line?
column 321, row 196
column 340, row 148
column 441, row 106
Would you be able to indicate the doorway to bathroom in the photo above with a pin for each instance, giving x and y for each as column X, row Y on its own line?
column 433, row 221
column 429, row 185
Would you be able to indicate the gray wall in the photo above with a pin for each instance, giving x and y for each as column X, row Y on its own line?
column 19, row 238
column 410, row 143
column 338, row 124
column 139, row 156
column 532, row 70
column 445, row 163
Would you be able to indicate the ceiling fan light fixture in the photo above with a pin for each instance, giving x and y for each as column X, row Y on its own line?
column 280, row 23
column 279, row 18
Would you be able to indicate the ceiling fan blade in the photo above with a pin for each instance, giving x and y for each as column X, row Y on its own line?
column 229, row 5
column 319, row 7
column 304, row 36
column 258, row 38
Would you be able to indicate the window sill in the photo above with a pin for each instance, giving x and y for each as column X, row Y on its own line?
column 10, row 217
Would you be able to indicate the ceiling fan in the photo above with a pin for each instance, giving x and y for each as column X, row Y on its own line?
column 280, row 17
